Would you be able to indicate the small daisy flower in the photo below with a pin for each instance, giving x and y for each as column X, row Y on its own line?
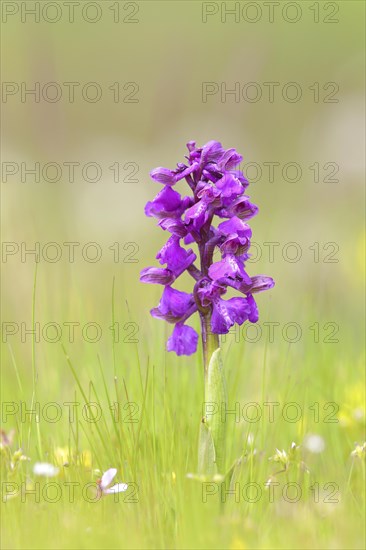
column 45, row 469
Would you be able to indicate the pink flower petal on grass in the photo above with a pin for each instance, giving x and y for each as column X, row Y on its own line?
column 117, row 488
column 107, row 478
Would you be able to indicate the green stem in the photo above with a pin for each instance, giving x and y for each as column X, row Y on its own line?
column 210, row 342
column 213, row 426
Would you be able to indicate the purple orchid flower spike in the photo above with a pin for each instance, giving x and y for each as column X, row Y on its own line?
column 218, row 189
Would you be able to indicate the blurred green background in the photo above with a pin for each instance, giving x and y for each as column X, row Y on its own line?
column 169, row 53
column 162, row 61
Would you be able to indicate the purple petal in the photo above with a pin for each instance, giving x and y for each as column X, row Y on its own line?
column 235, row 245
column 240, row 176
column 173, row 225
column 183, row 340
column 253, row 314
column 188, row 239
column 235, row 226
column 174, row 306
column 156, row 275
column 176, row 257
column 175, row 301
column 229, row 160
column 191, row 146
column 227, row 312
column 170, row 177
column 243, row 209
column 239, row 285
column 163, row 175
column 185, row 171
column 238, row 232
column 229, row 266
column 260, row 283
column 197, row 215
column 208, row 291
column 211, row 173
column 211, row 152
column 230, row 187
column 207, row 192
column 166, row 203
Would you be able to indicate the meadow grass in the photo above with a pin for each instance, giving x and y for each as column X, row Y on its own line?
column 152, row 440
column 170, row 53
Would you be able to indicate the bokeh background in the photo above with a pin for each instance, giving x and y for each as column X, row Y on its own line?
column 168, row 53
column 161, row 54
